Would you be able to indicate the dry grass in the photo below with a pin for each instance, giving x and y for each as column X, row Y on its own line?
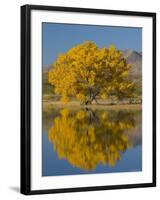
column 75, row 105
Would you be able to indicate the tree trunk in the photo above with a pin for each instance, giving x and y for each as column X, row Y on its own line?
column 91, row 98
column 88, row 102
column 94, row 98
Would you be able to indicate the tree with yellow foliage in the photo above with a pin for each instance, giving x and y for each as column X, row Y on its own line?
column 87, row 138
column 87, row 72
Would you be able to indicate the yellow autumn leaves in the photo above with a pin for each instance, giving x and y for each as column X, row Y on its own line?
column 87, row 72
column 87, row 138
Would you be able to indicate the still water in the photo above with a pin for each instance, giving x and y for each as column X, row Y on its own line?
column 91, row 141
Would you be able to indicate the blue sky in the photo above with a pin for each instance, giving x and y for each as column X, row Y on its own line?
column 59, row 38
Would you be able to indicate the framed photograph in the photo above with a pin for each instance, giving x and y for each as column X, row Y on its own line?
column 88, row 99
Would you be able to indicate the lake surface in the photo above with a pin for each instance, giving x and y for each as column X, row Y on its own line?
column 87, row 141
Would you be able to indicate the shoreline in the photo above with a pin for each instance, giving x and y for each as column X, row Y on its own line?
column 75, row 105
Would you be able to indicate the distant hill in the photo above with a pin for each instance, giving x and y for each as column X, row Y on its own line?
column 46, row 68
column 132, row 56
column 47, row 88
column 135, row 59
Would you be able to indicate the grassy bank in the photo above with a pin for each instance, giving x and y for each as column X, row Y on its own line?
column 75, row 105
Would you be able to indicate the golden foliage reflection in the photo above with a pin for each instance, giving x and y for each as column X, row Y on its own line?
column 87, row 138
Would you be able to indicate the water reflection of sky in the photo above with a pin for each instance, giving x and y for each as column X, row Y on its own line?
column 131, row 159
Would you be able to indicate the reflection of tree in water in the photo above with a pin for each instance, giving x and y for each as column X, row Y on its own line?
column 86, row 138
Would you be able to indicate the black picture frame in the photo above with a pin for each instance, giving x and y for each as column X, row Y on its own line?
column 26, row 98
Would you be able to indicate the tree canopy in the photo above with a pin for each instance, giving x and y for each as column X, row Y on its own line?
column 87, row 72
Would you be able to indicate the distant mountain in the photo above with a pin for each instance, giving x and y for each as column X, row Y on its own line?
column 47, row 68
column 46, row 87
column 132, row 56
column 135, row 59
